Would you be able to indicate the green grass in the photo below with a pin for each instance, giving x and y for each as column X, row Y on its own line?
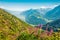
column 11, row 25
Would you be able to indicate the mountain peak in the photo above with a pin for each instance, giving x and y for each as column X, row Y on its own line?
column 58, row 7
column 54, row 13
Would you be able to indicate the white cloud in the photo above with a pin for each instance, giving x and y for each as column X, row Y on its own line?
column 24, row 7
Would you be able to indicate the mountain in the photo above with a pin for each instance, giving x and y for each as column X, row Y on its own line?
column 43, row 10
column 35, row 20
column 34, row 16
column 10, row 26
column 23, row 15
column 55, row 25
column 53, row 14
column 29, row 12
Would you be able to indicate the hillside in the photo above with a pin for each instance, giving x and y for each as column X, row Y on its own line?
column 10, row 26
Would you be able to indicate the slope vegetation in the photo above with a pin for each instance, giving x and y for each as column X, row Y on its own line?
column 10, row 26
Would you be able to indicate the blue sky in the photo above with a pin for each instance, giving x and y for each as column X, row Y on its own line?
column 24, row 1
column 20, row 5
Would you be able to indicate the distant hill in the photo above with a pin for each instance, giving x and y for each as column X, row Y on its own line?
column 10, row 26
column 55, row 25
column 34, row 16
column 53, row 14
column 43, row 10
column 40, row 11
column 29, row 12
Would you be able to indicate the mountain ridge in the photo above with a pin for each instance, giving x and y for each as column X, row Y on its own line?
column 37, row 16
column 53, row 14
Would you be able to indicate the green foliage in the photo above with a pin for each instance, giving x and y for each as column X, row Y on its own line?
column 2, row 36
column 26, row 36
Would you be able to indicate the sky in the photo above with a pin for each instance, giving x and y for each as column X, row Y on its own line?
column 21, row 5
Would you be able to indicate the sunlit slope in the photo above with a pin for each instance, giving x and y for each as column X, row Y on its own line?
column 10, row 26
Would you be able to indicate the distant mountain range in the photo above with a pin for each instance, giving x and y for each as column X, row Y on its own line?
column 43, row 10
column 46, row 17
column 40, row 11
column 53, row 14
column 30, row 12
column 38, row 16
column 35, row 16
column 55, row 25
column 41, row 16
